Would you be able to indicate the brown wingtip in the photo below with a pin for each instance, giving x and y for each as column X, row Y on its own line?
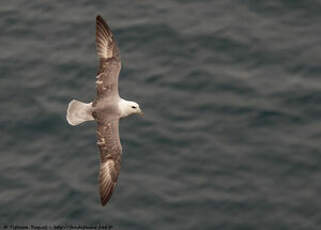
column 103, row 203
column 101, row 20
column 104, row 198
column 98, row 17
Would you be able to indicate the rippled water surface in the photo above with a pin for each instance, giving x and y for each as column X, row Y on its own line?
column 231, row 93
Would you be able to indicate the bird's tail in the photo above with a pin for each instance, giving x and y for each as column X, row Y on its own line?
column 79, row 112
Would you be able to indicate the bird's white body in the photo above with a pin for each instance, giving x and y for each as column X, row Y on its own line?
column 79, row 112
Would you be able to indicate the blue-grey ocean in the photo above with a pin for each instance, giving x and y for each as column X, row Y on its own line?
column 231, row 92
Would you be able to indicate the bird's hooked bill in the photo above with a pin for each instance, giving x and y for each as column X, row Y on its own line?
column 141, row 113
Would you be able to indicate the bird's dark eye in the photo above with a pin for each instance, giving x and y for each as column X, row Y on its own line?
column 134, row 107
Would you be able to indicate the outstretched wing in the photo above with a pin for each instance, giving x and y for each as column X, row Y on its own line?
column 110, row 158
column 109, row 60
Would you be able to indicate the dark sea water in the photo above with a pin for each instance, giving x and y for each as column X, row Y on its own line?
column 231, row 92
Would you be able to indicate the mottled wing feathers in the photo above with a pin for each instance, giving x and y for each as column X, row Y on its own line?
column 109, row 60
column 110, row 158
column 107, row 81
column 105, row 42
column 107, row 131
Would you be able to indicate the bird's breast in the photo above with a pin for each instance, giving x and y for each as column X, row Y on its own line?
column 106, row 110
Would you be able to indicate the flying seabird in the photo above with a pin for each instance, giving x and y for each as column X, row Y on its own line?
column 106, row 109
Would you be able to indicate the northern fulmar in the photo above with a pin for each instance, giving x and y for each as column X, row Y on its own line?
column 106, row 109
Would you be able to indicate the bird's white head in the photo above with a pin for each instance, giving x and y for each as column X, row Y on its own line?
column 129, row 107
